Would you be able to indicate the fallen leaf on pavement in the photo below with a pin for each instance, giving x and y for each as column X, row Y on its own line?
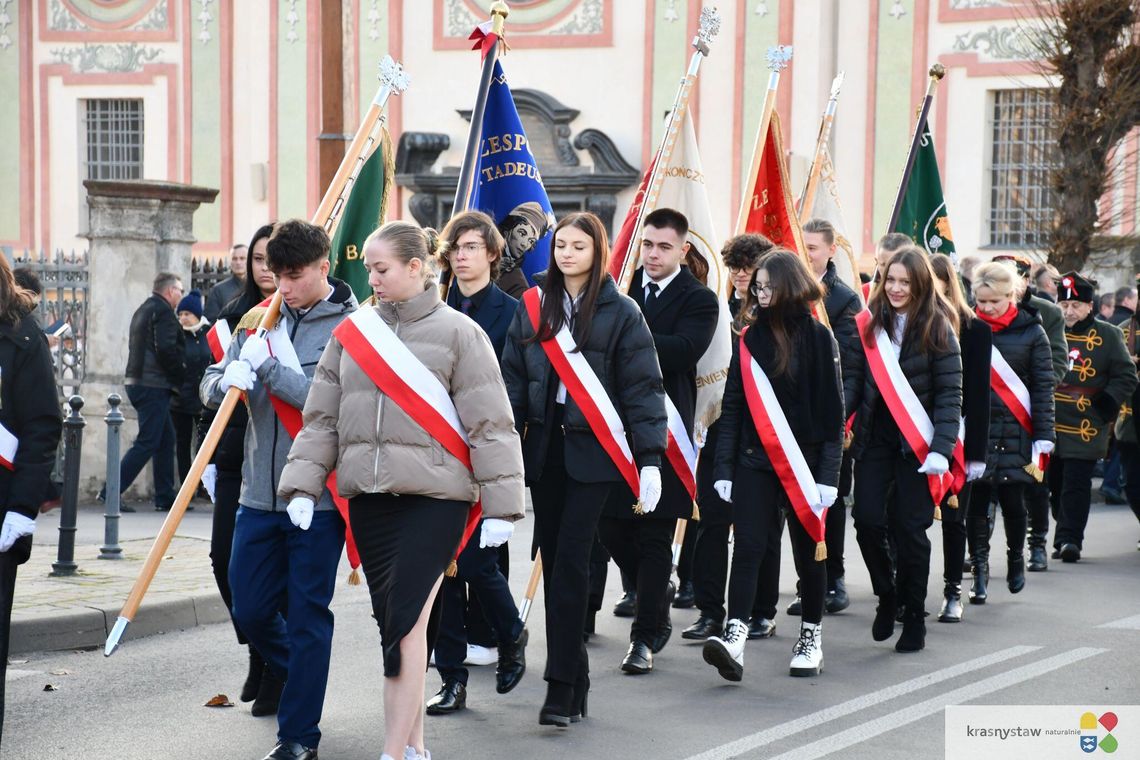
column 17, row 662
column 61, row 672
column 220, row 700
column 49, row 687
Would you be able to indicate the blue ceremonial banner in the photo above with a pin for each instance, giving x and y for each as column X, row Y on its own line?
column 508, row 187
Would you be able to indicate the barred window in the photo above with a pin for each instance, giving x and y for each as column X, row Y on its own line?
column 114, row 138
column 1021, row 198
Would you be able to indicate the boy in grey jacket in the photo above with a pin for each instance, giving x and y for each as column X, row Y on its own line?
column 282, row 560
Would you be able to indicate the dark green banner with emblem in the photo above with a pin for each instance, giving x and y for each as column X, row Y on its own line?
column 364, row 211
column 922, row 212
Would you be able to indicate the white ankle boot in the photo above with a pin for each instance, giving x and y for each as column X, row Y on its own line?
column 807, row 654
column 727, row 654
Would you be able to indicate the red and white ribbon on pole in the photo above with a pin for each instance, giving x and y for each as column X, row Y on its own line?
column 1013, row 393
column 783, row 450
column 219, row 337
column 587, row 391
column 906, row 409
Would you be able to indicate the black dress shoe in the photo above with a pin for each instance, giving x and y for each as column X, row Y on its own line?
column 127, row 508
column 836, row 599
column 627, row 605
column 1037, row 561
column 512, row 663
column 451, row 697
column 1056, row 553
column 291, row 751
column 913, row 637
column 796, row 608
column 268, row 694
column 884, row 625
column 638, row 660
column 665, row 627
column 702, row 629
column 1070, row 553
column 761, row 628
column 686, row 597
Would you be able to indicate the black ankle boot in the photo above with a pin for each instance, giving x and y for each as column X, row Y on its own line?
column 913, row 637
column 951, row 611
column 979, row 528
column 1015, row 576
column 580, row 699
column 884, row 626
column 269, row 695
column 253, row 679
column 556, row 709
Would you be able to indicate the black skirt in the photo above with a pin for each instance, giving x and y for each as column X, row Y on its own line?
column 405, row 544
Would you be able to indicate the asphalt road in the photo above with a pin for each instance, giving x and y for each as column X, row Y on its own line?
column 1048, row 645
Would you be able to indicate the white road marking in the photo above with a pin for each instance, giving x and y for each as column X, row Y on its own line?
column 843, row 709
column 1128, row 623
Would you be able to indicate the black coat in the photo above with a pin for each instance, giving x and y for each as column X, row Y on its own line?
column 230, row 453
column 30, row 410
column 976, row 340
column 1025, row 347
column 842, row 304
column 620, row 350
column 196, row 357
column 683, row 322
column 494, row 314
column 154, row 358
column 936, row 380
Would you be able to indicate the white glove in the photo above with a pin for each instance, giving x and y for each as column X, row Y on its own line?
column 650, row 488
column 723, row 489
column 300, row 511
column 495, row 532
column 975, row 470
column 827, row 494
column 255, row 350
column 16, row 526
column 1042, row 447
column 935, row 464
column 238, row 375
column 210, row 479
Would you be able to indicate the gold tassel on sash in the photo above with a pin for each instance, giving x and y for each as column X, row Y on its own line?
column 820, row 551
column 952, row 502
column 937, row 512
column 354, row 577
column 1037, row 473
column 452, row 569
column 696, row 512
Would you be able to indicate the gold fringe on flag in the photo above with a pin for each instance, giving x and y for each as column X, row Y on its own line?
column 820, row 551
column 1037, row 473
column 354, row 577
column 252, row 319
column 452, row 569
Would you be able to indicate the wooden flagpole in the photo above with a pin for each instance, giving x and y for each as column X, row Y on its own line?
column 392, row 80
column 807, row 199
column 778, row 57
column 531, row 587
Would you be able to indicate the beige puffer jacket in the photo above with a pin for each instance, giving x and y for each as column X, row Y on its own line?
column 377, row 448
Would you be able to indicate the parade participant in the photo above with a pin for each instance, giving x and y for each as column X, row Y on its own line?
column 409, row 408
column 1021, row 421
column 1101, row 377
column 30, row 427
column 471, row 248
column 887, row 246
column 976, row 340
column 185, row 406
column 741, row 255
column 1127, row 432
column 1037, row 493
column 1045, row 280
column 274, row 563
column 682, row 317
column 230, row 288
column 911, row 352
column 582, row 374
column 780, row 449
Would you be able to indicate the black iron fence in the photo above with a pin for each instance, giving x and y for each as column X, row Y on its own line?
column 205, row 273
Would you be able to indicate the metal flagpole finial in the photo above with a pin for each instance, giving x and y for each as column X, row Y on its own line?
column 836, row 84
column 778, row 57
column 709, row 28
column 499, row 13
column 392, row 75
column 937, row 71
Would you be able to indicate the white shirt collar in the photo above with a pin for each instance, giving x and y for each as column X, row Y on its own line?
column 661, row 284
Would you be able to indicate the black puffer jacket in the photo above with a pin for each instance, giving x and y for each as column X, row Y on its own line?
column 196, row 357
column 154, row 359
column 621, row 352
column 842, row 304
column 1025, row 347
column 936, row 380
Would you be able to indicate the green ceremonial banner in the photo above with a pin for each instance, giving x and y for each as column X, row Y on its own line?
column 364, row 211
column 922, row 213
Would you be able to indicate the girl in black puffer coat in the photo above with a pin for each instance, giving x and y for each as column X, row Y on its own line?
column 1021, row 341
column 922, row 329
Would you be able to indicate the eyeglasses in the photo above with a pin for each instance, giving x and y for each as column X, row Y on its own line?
column 759, row 290
column 470, row 249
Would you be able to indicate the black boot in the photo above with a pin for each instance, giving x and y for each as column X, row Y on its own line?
column 556, row 710
column 884, row 626
column 686, row 597
column 836, row 599
column 665, row 621
column 253, row 679
column 913, row 637
column 579, row 705
column 268, row 696
column 951, row 611
column 1015, row 576
column 979, row 528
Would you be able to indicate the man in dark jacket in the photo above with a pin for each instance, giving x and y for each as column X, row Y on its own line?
column 1125, row 305
column 154, row 374
column 682, row 314
column 230, row 288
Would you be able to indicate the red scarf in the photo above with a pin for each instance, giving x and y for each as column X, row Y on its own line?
column 997, row 324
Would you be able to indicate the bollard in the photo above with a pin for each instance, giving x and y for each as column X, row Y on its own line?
column 72, row 448
column 114, row 420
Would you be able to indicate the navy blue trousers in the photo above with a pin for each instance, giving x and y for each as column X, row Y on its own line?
column 276, row 565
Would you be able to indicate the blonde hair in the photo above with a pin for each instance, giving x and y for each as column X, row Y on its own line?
column 408, row 241
column 999, row 277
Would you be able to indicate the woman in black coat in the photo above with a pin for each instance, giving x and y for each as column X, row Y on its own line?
column 186, row 407
column 976, row 340
column 1014, row 450
column 800, row 359
column 569, row 473
column 30, row 426
column 922, row 331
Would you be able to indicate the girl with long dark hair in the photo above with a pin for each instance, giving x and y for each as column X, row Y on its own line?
column 582, row 374
column 781, row 422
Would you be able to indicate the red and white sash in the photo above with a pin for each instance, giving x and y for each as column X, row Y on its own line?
column 680, row 452
column 587, row 391
column 906, row 409
column 1013, row 393
column 404, row 379
column 781, row 446
column 8, row 446
column 219, row 337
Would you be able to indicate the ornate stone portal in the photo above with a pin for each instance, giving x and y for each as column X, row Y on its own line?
column 571, row 186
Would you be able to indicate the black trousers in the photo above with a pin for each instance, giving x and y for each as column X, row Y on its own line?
column 566, row 515
column 1130, row 462
column 8, row 566
column 757, row 516
column 685, row 563
column 642, row 547
column 1070, row 484
column 227, row 489
column 836, row 536
column 185, row 426
column 881, row 466
column 1037, row 506
column 480, row 629
column 1011, row 498
column 599, row 569
column 954, row 537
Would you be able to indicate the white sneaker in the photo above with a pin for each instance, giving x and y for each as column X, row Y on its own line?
column 477, row 655
column 411, row 754
column 727, row 654
column 807, row 654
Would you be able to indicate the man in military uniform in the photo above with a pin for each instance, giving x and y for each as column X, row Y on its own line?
column 1101, row 377
column 1128, row 424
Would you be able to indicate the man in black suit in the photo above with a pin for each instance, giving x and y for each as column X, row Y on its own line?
column 472, row 248
column 682, row 315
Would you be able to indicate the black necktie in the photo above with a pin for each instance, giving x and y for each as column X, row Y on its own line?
column 651, row 299
column 465, row 305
